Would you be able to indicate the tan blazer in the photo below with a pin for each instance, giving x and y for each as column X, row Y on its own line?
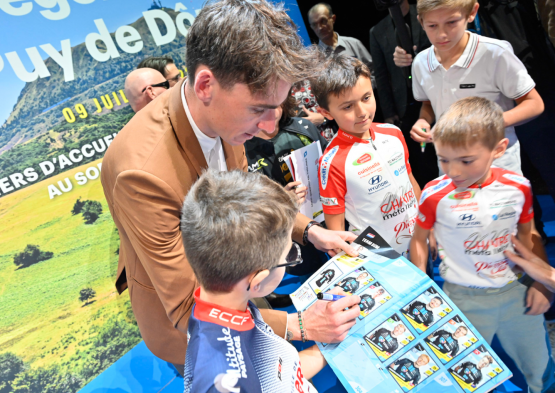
column 146, row 173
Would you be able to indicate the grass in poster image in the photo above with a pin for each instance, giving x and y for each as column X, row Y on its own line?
column 42, row 320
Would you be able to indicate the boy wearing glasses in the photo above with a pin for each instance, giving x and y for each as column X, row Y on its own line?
column 249, row 219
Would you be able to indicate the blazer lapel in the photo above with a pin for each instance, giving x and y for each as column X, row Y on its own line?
column 183, row 130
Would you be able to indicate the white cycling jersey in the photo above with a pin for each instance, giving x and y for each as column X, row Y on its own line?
column 368, row 180
column 473, row 226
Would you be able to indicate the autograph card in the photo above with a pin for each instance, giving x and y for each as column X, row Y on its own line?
column 412, row 368
column 389, row 338
column 372, row 298
column 449, row 340
column 426, row 310
column 475, row 369
column 355, row 281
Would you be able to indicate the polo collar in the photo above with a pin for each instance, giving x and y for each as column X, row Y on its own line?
column 223, row 316
column 340, row 43
column 462, row 62
column 353, row 139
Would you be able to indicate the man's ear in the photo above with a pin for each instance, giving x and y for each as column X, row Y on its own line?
column 256, row 281
column 500, row 149
column 473, row 13
column 150, row 93
column 333, row 19
column 204, row 85
column 325, row 113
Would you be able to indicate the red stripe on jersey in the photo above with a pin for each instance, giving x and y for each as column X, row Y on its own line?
column 427, row 207
column 233, row 319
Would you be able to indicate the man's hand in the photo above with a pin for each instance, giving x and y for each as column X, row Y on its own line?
column 329, row 322
column 538, row 299
column 298, row 189
column 331, row 242
column 418, row 135
column 392, row 119
column 401, row 58
column 314, row 117
column 533, row 265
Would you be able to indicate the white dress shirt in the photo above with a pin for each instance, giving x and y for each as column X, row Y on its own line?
column 211, row 147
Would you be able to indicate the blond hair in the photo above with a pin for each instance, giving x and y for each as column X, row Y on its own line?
column 470, row 120
column 425, row 356
column 424, row 6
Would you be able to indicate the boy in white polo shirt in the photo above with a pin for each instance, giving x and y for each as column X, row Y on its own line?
column 474, row 209
column 365, row 175
column 462, row 64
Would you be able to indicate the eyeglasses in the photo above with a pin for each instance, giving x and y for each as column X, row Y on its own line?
column 165, row 85
column 293, row 258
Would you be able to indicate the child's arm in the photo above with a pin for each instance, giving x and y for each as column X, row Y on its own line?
column 419, row 247
column 427, row 117
column 312, row 361
column 335, row 222
column 415, row 187
column 527, row 108
column 538, row 298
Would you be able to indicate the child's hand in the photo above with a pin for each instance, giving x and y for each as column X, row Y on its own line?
column 418, row 135
column 298, row 189
column 401, row 58
column 538, row 299
column 315, row 118
column 433, row 245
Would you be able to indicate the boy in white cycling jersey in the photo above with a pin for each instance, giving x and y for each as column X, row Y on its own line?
column 365, row 175
column 474, row 209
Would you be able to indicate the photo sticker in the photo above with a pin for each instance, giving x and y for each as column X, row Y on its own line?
column 475, row 369
column 451, row 339
column 322, row 280
column 426, row 310
column 372, row 298
column 389, row 338
column 354, row 281
column 412, row 368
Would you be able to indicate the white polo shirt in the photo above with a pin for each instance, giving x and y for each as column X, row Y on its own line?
column 487, row 68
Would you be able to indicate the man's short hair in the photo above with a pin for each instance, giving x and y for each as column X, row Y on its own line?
column 157, row 63
column 438, row 299
column 340, row 74
column 316, row 6
column 470, row 120
column 251, row 42
column 233, row 224
column 425, row 6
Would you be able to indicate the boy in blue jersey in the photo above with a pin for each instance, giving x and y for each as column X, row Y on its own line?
column 236, row 229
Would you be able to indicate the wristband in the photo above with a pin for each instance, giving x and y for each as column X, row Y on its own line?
column 303, row 332
column 305, row 233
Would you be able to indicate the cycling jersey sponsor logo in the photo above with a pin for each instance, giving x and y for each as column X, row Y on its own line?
column 502, row 203
column 394, row 204
column 279, row 367
column 377, row 183
column 496, row 269
column 395, row 158
column 329, row 201
column 406, row 226
column 234, row 355
column 504, row 216
column 326, row 165
column 375, row 167
column 432, row 190
column 517, row 179
column 257, row 165
column 488, row 244
column 462, row 207
column 468, row 220
column 363, row 159
column 401, row 170
column 463, row 195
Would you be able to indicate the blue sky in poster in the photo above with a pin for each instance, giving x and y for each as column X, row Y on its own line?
column 33, row 30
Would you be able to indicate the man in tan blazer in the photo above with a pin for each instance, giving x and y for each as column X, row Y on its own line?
column 242, row 58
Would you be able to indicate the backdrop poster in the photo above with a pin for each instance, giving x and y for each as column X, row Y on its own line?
column 62, row 69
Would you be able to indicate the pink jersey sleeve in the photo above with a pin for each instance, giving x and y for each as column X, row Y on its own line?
column 333, row 183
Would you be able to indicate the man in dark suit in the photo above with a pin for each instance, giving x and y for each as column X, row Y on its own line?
column 395, row 94
column 200, row 123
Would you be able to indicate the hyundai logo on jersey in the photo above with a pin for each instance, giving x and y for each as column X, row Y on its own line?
column 375, row 180
column 467, row 217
